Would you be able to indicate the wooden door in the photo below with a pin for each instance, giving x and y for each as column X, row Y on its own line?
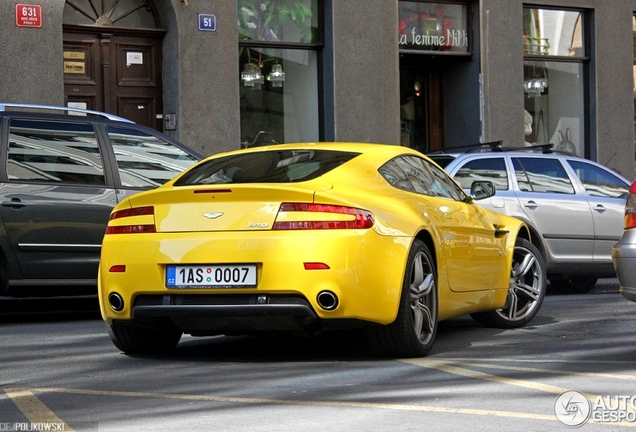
column 118, row 74
column 83, row 82
column 421, row 99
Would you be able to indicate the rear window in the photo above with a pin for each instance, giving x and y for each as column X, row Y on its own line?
column 48, row 151
column 542, row 175
column 145, row 160
column 284, row 166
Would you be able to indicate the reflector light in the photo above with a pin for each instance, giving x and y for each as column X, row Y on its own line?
column 316, row 266
column 363, row 218
column 133, row 228
column 118, row 269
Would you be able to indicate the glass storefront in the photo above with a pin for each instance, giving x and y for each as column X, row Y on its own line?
column 279, row 44
column 436, row 71
column 555, row 67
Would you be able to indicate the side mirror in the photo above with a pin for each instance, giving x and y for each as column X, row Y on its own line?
column 482, row 189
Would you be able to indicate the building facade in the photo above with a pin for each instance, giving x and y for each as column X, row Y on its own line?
column 430, row 75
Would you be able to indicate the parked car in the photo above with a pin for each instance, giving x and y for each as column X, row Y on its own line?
column 63, row 171
column 624, row 252
column 573, row 206
column 311, row 237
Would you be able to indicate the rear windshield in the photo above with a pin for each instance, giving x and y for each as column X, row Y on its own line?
column 284, row 166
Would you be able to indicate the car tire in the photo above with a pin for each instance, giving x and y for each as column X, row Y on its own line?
column 140, row 340
column 526, row 290
column 413, row 332
column 573, row 285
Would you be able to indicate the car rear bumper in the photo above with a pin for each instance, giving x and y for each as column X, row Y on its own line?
column 624, row 259
column 365, row 273
column 225, row 314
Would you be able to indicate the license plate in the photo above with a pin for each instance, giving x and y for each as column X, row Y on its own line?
column 211, row 276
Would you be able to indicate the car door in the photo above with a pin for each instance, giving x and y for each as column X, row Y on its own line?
column 55, row 199
column 606, row 194
column 551, row 201
column 470, row 249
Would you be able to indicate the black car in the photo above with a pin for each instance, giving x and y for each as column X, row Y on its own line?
column 62, row 170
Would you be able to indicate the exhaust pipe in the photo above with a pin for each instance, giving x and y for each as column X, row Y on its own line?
column 327, row 300
column 116, row 302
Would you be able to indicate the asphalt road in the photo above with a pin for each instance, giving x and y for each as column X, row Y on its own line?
column 60, row 369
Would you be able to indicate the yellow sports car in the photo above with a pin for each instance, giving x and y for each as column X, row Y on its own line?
column 309, row 238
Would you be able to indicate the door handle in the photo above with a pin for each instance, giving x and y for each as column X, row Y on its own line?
column 531, row 205
column 599, row 208
column 16, row 203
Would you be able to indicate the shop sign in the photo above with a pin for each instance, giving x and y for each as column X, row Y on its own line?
column 74, row 55
column 438, row 27
column 28, row 15
column 74, row 67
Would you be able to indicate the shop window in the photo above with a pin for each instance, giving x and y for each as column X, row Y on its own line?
column 280, row 45
column 555, row 71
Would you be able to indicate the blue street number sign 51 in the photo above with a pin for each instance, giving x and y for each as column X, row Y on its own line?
column 207, row 22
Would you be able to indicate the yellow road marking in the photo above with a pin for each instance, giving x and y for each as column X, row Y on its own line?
column 33, row 409
column 442, row 365
column 36, row 411
column 485, row 364
column 400, row 407
column 509, row 360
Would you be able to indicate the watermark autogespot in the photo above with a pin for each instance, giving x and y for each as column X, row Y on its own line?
column 574, row 409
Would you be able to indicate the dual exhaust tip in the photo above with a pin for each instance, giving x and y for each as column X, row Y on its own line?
column 116, row 302
column 327, row 300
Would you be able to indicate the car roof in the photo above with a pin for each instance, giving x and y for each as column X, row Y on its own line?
column 376, row 149
column 63, row 111
column 450, row 160
column 62, row 114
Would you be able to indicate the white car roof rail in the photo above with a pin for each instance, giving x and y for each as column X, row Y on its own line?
column 60, row 108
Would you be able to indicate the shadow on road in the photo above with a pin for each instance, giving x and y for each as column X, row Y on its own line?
column 39, row 309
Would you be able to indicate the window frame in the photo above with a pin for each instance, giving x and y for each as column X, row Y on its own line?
column 317, row 47
column 585, row 60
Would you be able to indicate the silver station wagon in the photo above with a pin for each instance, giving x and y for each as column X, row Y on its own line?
column 573, row 206
column 60, row 177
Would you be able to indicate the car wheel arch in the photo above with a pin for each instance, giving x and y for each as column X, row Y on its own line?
column 427, row 238
column 533, row 235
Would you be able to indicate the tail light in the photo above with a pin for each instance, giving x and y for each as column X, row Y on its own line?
column 132, row 221
column 630, row 208
column 304, row 216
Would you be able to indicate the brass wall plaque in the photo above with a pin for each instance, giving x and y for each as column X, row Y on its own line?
column 74, row 55
column 71, row 67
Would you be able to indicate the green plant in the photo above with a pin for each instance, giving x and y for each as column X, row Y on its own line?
column 266, row 19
